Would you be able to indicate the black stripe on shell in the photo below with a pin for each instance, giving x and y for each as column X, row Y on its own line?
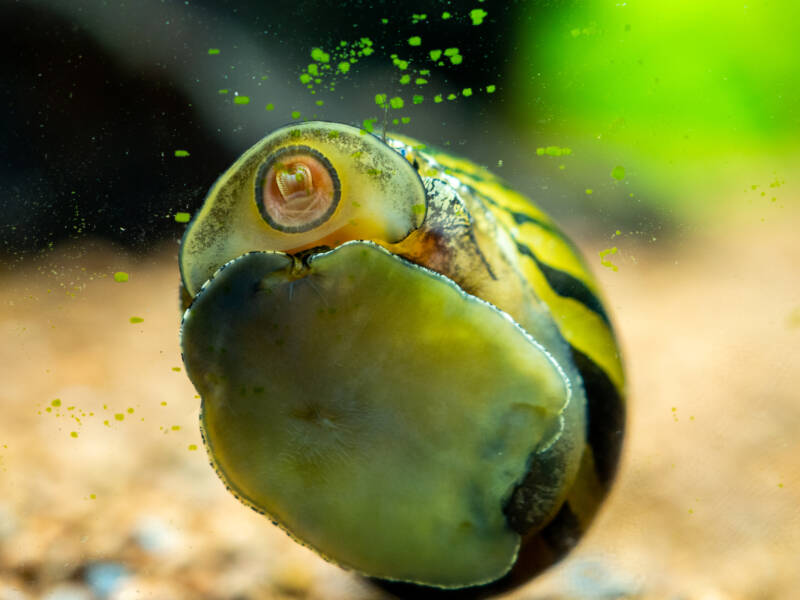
column 605, row 418
column 566, row 285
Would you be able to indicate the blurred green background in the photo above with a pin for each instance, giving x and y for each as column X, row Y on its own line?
column 697, row 100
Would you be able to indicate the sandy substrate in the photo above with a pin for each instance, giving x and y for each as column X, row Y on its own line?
column 106, row 491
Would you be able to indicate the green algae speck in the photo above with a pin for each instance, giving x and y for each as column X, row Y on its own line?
column 589, row 191
column 136, row 320
column 192, row 447
column 618, row 173
column 553, row 151
column 435, row 54
column 396, row 102
column 213, row 50
column 73, row 434
column 417, row 99
column 119, row 417
column 477, row 15
column 295, row 114
column 120, row 277
column 467, row 92
column 181, row 153
column 446, row 15
column 319, row 55
column 414, row 41
column 182, row 217
column 344, row 66
column 490, row 89
column 241, row 100
column 56, row 402
column 270, row 106
column 607, row 263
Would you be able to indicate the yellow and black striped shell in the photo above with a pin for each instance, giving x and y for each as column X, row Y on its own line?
column 402, row 362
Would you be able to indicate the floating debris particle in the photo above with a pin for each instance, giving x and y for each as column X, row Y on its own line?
column 477, row 15
column 181, row 153
column 605, row 262
column 121, row 277
column 182, row 217
column 320, row 55
column 553, row 151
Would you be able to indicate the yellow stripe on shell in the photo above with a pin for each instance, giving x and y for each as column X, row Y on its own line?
column 582, row 327
column 551, row 249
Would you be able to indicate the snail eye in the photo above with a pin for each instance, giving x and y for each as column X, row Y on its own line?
column 297, row 189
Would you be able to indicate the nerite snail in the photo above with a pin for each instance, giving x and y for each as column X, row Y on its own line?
column 401, row 361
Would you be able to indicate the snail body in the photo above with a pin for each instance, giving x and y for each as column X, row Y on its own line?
column 402, row 362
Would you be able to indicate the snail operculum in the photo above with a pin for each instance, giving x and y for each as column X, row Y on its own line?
column 375, row 410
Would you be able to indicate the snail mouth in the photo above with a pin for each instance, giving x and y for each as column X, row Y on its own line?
column 373, row 409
